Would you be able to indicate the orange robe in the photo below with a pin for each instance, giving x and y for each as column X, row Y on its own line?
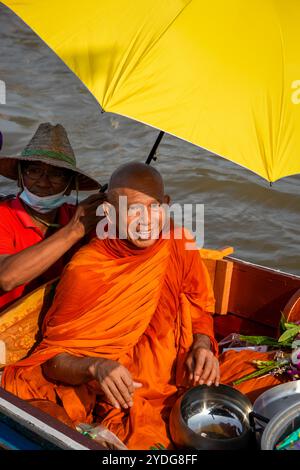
column 139, row 307
column 235, row 365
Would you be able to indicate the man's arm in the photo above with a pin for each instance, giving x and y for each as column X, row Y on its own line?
column 113, row 378
column 23, row 267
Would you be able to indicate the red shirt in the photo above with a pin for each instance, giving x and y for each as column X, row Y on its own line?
column 17, row 232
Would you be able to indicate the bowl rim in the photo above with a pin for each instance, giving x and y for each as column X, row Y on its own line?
column 246, row 429
column 275, row 424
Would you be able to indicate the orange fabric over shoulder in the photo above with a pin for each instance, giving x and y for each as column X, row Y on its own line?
column 139, row 307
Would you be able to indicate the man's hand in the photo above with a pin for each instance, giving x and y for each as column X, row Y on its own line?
column 84, row 220
column 115, row 381
column 202, row 365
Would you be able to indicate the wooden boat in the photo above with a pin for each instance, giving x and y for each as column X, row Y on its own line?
column 249, row 300
column 24, row 427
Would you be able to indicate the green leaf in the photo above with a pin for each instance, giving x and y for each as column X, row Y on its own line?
column 285, row 344
column 282, row 323
column 260, row 340
column 257, row 373
column 289, row 334
column 290, row 325
column 261, row 364
column 157, row 446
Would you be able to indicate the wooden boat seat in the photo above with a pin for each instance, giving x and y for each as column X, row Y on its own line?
column 220, row 271
column 20, row 323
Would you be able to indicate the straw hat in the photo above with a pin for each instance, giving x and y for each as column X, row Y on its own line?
column 50, row 144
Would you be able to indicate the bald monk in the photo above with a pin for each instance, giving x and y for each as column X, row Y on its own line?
column 130, row 328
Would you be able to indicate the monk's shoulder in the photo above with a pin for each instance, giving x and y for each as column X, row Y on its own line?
column 184, row 240
column 86, row 255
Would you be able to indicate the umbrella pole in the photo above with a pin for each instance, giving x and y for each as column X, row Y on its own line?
column 151, row 155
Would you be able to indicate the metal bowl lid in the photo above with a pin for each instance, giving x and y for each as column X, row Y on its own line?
column 277, row 399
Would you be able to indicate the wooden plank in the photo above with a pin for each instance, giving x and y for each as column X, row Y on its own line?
column 2, row 354
column 222, row 285
column 211, row 268
column 231, row 323
column 220, row 273
column 259, row 294
column 19, row 324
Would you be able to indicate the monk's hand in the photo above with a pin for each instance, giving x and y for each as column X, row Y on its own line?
column 202, row 364
column 115, row 381
column 85, row 219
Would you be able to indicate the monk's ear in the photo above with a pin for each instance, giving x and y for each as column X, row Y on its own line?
column 167, row 199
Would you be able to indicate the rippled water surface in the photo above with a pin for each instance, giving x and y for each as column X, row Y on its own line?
column 241, row 210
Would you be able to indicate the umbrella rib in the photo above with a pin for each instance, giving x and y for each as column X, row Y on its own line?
column 168, row 26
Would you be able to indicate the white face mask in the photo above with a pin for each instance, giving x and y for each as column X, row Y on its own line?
column 43, row 204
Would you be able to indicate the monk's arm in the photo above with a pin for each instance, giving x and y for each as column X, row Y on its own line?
column 202, row 341
column 198, row 290
column 69, row 369
column 113, row 378
column 201, row 362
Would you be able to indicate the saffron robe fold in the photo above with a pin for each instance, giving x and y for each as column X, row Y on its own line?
column 236, row 364
column 139, row 307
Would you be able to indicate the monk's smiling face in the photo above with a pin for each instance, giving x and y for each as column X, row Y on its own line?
column 141, row 212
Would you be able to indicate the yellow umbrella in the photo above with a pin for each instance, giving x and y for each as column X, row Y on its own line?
column 222, row 75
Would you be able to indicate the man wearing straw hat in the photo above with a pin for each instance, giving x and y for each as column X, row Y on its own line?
column 37, row 227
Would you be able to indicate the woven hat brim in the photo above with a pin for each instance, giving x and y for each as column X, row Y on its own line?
column 9, row 169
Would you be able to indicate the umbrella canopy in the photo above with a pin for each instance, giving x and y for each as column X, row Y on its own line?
column 222, row 75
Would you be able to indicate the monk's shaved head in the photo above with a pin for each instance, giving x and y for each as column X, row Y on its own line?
column 136, row 191
column 138, row 177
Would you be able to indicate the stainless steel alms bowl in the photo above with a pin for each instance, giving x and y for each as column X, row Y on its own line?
column 212, row 418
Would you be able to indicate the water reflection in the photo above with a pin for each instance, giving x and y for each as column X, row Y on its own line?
column 215, row 421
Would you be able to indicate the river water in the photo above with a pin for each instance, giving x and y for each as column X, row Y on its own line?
column 241, row 210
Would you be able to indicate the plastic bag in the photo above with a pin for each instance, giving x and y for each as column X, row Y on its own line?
column 101, row 434
column 233, row 342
